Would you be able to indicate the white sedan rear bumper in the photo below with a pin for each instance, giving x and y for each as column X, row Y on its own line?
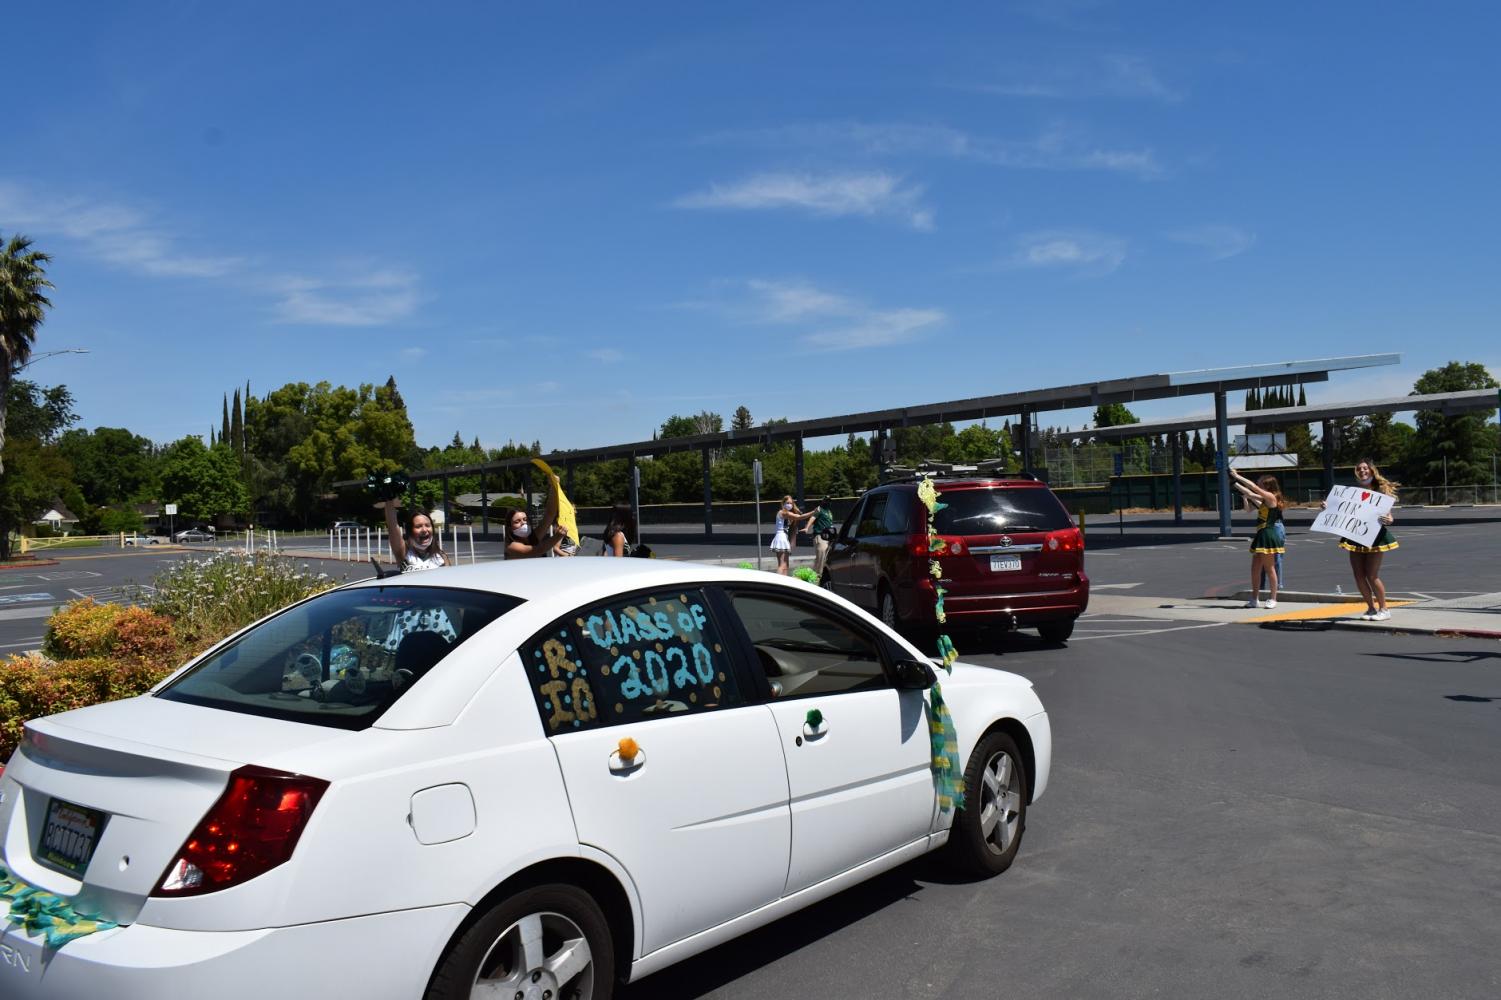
column 383, row 955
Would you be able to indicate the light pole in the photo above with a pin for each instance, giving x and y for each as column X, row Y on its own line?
column 51, row 354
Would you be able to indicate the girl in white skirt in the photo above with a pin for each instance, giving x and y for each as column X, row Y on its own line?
column 787, row 521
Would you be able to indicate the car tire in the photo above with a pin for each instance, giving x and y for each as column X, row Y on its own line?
column 988, row 827
column 1056, row 631
column 886, row 609
column 493, row 953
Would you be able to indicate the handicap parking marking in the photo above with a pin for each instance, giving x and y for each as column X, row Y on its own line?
column 8, row 599
column 72, row 574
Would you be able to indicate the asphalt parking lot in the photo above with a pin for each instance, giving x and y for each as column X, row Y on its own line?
column 1242, row 804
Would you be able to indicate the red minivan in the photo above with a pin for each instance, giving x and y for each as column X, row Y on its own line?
column 1011, row 557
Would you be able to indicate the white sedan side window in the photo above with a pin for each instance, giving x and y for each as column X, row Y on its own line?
column 630, row 659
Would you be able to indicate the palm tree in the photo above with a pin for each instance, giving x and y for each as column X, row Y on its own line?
column 23, row 278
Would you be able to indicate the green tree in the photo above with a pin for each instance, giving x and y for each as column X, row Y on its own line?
column 303, row 438
column 23, row 307
column 111, row 465
column 1114, row 415
column 204, row 482
column 741, row 421
column 1457, row 447
column 36, row 474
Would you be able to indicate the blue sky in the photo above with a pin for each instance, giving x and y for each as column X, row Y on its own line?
column 568, row 222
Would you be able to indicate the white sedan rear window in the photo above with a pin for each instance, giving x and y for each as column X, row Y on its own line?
column 342, row 658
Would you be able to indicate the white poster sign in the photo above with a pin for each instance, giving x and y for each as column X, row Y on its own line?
column 171, row 509
column 1353, row 512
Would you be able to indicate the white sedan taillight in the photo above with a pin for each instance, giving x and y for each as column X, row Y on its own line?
column 252, row 828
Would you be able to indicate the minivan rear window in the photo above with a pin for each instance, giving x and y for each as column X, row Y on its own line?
column 341, row 658
column 994, row 511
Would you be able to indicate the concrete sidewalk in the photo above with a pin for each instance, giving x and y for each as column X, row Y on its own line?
column 1477, row 617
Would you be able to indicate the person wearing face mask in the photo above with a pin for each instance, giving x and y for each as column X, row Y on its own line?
column 419, row 546
column 526, row 542
column 788, row 519
column 1365, row 560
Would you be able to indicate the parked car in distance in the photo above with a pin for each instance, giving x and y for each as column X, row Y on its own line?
column 142, row 539
column 1009, row 552
column 339, row 526
column 193, row 535
column 506, row 779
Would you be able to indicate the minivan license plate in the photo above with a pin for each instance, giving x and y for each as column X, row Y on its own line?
column 69, row 835
column 1000, row 564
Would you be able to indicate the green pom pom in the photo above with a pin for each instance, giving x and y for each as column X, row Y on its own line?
column 815, row 718
column 746, row 565
column 805, row 574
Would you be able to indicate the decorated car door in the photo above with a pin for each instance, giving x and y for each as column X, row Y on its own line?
column 668, row 766
column 858, row 751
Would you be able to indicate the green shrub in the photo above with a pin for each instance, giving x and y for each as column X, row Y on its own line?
column 207, row 599
column 34, row 686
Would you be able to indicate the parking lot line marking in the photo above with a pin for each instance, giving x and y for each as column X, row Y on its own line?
column 33, row 642
column 1154, row 631
column 1322, row 611
column 40, row 611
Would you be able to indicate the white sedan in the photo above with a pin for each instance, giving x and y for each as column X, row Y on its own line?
column 533, row 779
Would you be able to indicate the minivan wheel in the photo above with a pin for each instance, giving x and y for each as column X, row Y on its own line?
column 988, row 827
column 550, row 942
column 886, row 609
column 1056, row 631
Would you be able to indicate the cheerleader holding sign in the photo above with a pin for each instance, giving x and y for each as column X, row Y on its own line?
column 1360, row 516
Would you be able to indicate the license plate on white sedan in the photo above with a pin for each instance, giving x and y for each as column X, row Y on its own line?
column 69, row 835
column 1001, row 564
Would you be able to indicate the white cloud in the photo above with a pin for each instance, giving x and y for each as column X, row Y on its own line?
column 830, row 195
column 372, row 299
column 832, row 322
column 132, row 239
column 1079, row 250
column 879, row 328
column 606, row 355
column 116, row 234
column 1116, row 76
column 413, row 353
column 1058, row 147
column 1219, row 242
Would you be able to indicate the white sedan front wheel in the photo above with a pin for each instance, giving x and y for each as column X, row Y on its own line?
column 988, row 827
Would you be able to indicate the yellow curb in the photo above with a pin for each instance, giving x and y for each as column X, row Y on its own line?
column 1322, row 611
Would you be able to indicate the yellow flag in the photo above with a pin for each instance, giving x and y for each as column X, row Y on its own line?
column 567, row 516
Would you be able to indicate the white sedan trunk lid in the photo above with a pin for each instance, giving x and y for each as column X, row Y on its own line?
column 141, row 773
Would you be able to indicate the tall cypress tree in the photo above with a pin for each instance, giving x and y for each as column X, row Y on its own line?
column 237, row 428
column 224, row 427
column 1302, row 396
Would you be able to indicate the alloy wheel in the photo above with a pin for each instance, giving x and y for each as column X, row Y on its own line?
column 542, row 956
column 1000, row 802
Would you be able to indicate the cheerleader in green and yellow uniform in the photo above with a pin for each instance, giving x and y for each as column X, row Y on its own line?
column 1266, row 546
column 1365, row 560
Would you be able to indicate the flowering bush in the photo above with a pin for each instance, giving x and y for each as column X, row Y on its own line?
column 33, row 686
column 208, row 599
column 86, row 629
column 100, row 652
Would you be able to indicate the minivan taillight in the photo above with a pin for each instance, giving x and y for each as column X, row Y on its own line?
column 251, row 829
column 1066, row 540
column 940, row 546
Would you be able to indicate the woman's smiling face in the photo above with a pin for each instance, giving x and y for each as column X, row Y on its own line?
column 1364, row 472
column 422, row 530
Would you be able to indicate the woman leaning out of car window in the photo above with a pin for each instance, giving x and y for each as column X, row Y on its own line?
column 418, row 547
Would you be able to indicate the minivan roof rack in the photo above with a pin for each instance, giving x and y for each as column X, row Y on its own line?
column 991, row 468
